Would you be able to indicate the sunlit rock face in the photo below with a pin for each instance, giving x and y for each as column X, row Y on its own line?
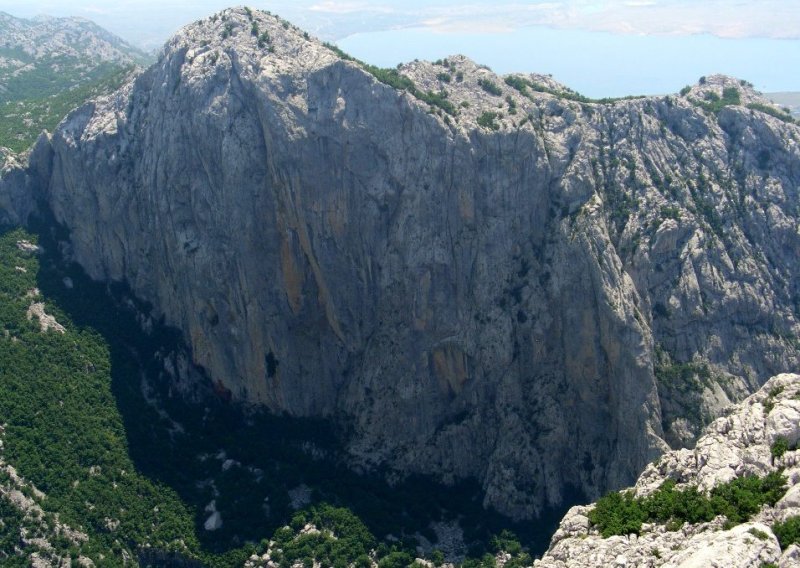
column 524, row 288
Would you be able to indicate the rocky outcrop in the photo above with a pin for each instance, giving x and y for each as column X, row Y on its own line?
column 475, row 277
column 736, row 445
column 42, row 39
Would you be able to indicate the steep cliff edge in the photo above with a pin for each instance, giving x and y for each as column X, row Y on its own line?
column 477, row 277
column 758, row 438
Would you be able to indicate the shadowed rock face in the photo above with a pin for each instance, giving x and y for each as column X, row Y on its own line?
column 469, row 301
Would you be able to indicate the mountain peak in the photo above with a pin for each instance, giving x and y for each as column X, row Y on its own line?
column 488, row 277
column 258, row 42
column 249, row 30
column 715, row 92
column 462, row 93
column 718, row 87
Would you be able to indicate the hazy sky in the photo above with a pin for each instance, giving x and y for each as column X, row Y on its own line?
column 614, row 42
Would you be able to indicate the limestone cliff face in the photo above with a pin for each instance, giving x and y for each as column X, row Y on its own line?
column 19, row 188
column 488, row 292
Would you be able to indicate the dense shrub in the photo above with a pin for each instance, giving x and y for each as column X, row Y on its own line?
column 487, row 120
column 512, row 105
column 522, row 85
column 772, row 111
column 788, row 532
column 396, row 559
column 343, row 539
column 714, row 103
column 779, row 447
column 10, row 525
column 670, row 212
column 681, row 373
column 490, row 87
column 517, row 83
column 620, row 513
column 731, row 96
column 487, row 561
column 506, row 541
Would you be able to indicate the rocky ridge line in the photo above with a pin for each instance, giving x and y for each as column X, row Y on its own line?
column 45, row 37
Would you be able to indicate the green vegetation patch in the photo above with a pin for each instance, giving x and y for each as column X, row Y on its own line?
column 788, row 532
column 780, row 446
column 400, row 82
column 11, row 524
column 490, row 87
column 671, row 212
column 769, row 404
column 702, row 196
column 783, row 115
column 31, row 110
column 620, row 513
column 334, row 536
column 394, row 79
column 522, row 84
column 339, row 539
column 64, row 431
column 714, row 103
column 694, row 374
column 488, row 120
